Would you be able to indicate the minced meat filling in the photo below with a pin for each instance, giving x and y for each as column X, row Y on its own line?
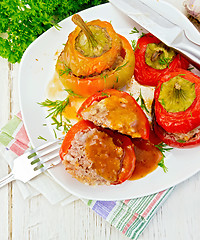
column 93, row 158
column 114, row 113
column 186, row 136
column 105, row 155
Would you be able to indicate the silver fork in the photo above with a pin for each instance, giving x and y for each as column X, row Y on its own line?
column 34, row 162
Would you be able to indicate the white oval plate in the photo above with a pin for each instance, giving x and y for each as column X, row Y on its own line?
column 37, row 69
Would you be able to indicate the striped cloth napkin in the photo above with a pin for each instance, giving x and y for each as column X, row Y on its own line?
column 129, row 216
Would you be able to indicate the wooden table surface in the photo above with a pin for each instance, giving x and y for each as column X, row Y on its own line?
column 36, row 219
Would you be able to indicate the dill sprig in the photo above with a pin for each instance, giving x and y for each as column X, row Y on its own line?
column 104, row 77
column 56, row 109
column 163, row 148
column 67, row 126
column 134, row 30
column 190, row 69
column 120, row 67
column 66, row 70
column 142, row 102
column 133, row 43
column 42, row 138
column 73, row 94
column 142, row 35
column 104, row 94
column 164, row 61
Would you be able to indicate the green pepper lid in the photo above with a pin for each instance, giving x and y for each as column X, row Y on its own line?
column 177, row 94
column 159, row 56
column 93, row 40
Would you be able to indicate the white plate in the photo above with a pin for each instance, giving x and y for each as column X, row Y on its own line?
column 37, row 69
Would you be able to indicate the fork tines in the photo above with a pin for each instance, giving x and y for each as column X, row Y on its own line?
column 45, row 156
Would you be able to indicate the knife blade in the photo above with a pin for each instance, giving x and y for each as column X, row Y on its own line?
column 167, row 31
column 175, row 16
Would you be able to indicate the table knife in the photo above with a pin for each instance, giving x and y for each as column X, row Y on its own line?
column 166, row 23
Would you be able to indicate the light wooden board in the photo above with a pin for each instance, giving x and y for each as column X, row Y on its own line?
column 36, row 219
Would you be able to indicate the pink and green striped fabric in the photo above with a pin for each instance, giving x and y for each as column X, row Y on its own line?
column 130, row 216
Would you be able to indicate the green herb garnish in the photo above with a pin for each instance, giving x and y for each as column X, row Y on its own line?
column 181, row 141
column 120, row 67
column 73, row 94
column 134, row 30
column 163, row 148
column 67, row 126
column 164, row 61
column 190, row 69
column 66, row 70
column 104, row 94
column 104, row 77
column 142, row 102
column 133, row 43
column 55, row 134
column 56, row 109
column 181, row 75
column 23, row 21
column 42, row 138
column 142, row 35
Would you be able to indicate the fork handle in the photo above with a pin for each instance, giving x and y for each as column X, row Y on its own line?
column 7, row 179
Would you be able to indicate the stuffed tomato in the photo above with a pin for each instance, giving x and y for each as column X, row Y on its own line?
column 97, row 156
column 116, row 110
column 176, row 109
column 154, row 59
column 95, row 57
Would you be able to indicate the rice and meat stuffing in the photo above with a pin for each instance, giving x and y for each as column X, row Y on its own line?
column 115, row 113
column 93, row 158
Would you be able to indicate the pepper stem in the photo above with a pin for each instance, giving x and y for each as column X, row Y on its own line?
column 90, row 36
column 156, row 54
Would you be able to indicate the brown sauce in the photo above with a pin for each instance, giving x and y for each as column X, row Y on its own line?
column 70, row 111
column 147, row 158
column 106, row 156
column 55, row 91
column 54, row 87
column 122, row 117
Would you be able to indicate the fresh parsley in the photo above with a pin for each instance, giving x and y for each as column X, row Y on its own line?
column 22, row 21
